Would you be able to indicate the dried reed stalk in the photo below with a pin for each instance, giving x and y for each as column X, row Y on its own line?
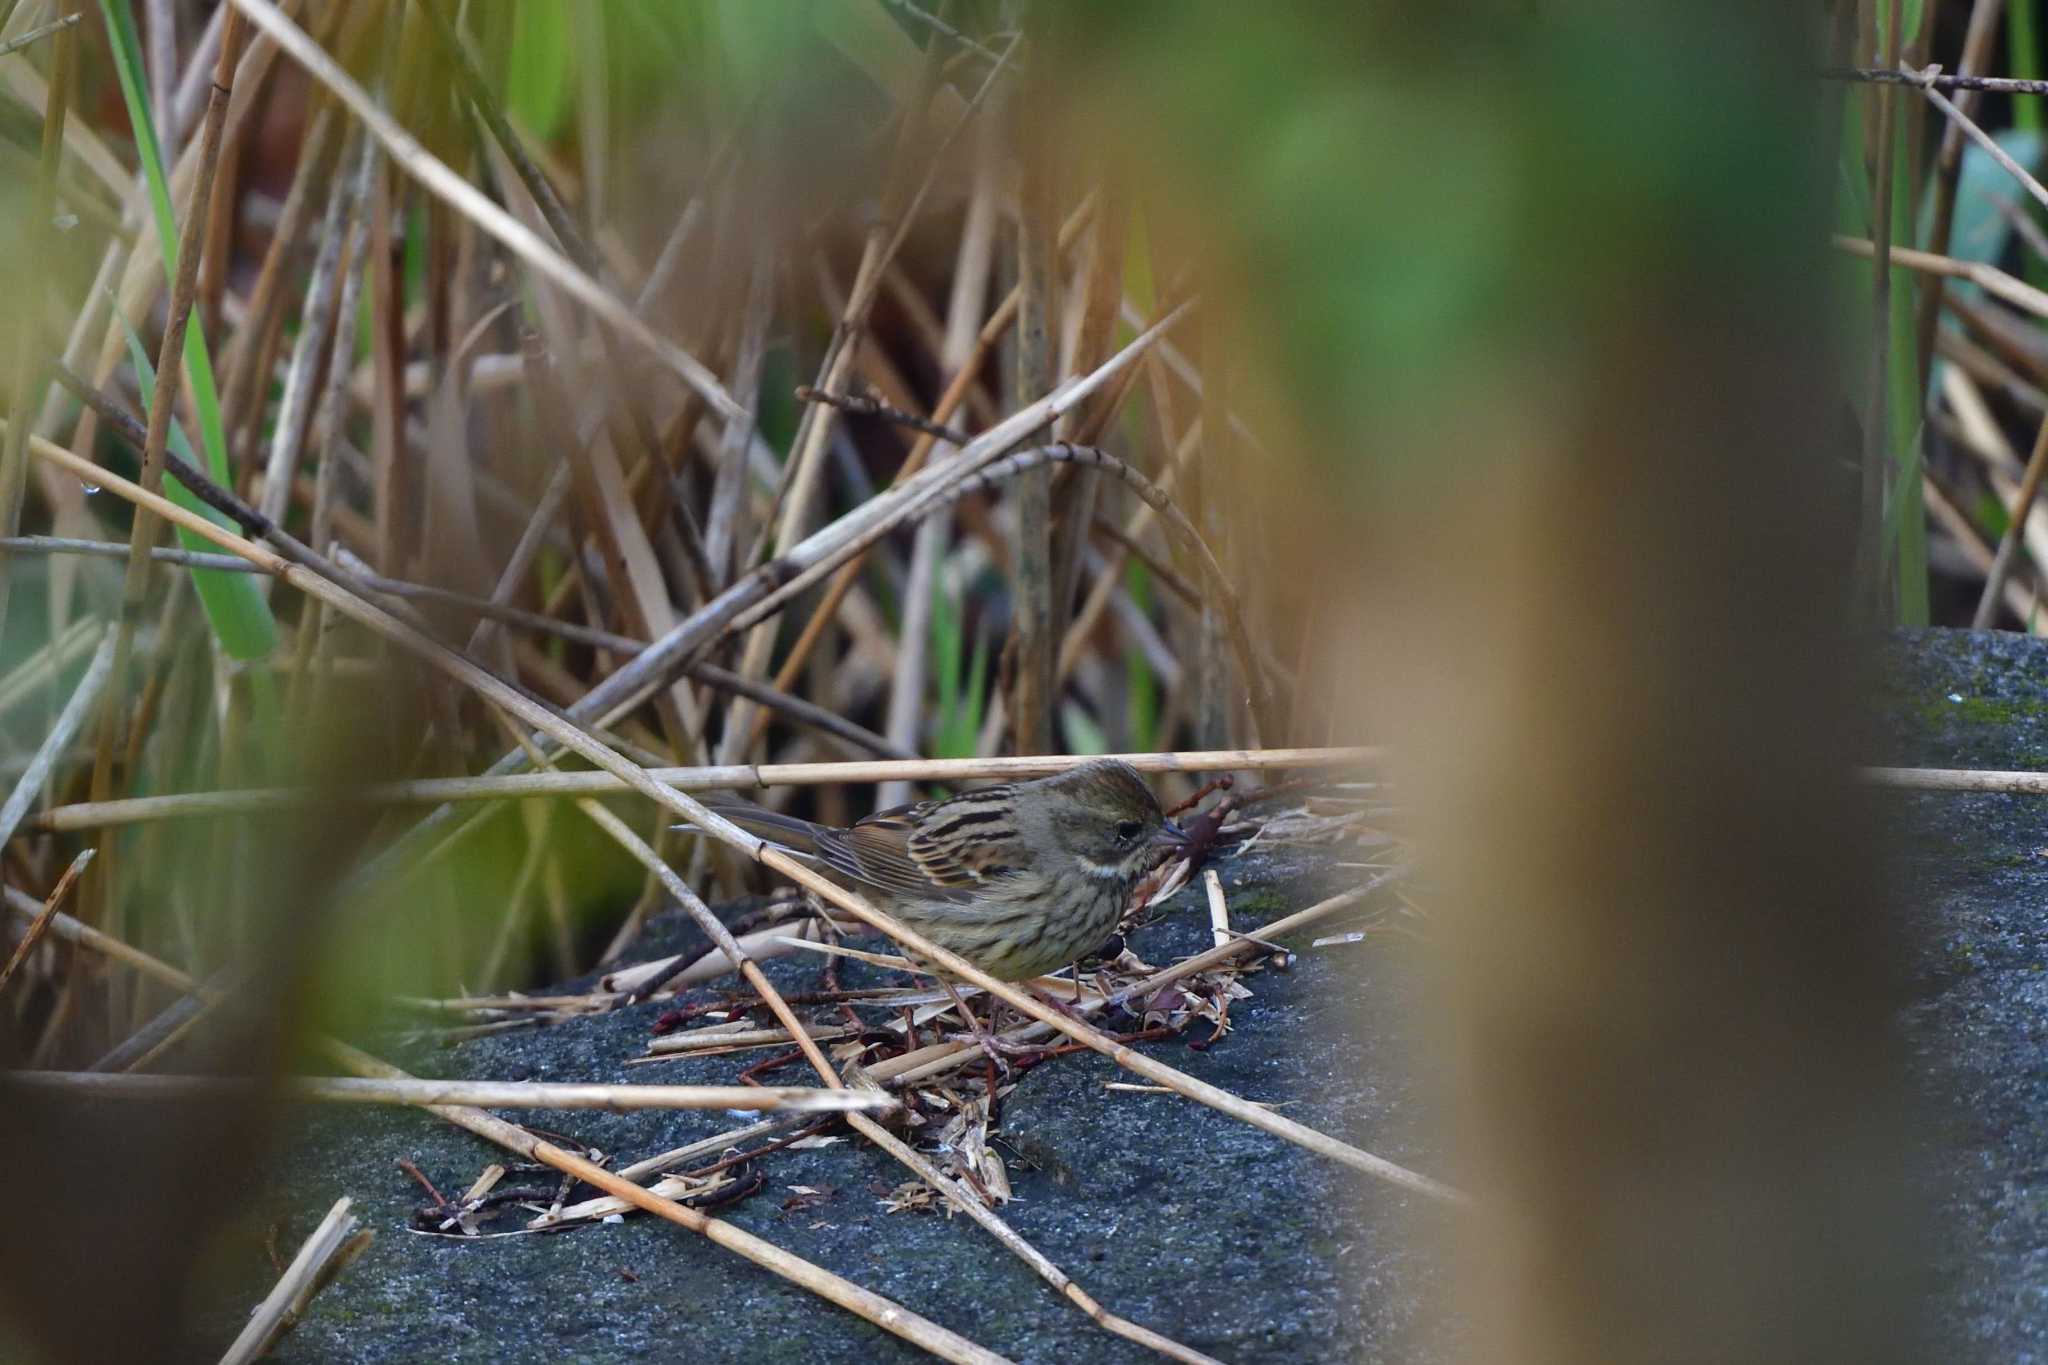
column 192, row 805
column 322, row 1256
column 99, row 1085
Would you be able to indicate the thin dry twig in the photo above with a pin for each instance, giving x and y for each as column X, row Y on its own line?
column 1977, row 134
column 1993, row 85
column 1219, row 908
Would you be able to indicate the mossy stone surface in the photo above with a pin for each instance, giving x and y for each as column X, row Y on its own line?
column 1972, row 875
column 1169, row 1213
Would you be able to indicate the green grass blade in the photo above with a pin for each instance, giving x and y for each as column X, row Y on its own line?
column 945, row 657
column 234, row 603
column 2023, row 48
column 975, row 706
column 1909, row 527
column 1141, row 685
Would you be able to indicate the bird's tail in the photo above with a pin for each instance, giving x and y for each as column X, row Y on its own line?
column 784, row 831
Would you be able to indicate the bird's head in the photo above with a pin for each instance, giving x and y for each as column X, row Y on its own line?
column 1104, row 815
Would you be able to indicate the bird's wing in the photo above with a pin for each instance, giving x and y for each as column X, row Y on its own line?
column 876, row 851
column 968, row 841
column 896, row 850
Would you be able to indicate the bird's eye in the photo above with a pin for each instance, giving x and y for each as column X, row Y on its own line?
column 1129, row 830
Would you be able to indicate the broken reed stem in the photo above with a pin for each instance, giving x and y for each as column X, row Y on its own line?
column 40, row 925
column 322, row 1256
column 116, row 1085
column 1219, row 908
column 83, row 935
column 731, row 777
column 884, row 1313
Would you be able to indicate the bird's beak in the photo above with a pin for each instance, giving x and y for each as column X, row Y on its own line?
column 1171, row 836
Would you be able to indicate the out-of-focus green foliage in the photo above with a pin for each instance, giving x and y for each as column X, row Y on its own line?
column 1911, row 12
column 2023, row 57
column 1141, row 687
column 961, row 703
column 1411, row 219
column 537, row 66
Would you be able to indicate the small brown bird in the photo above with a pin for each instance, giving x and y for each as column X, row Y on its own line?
column 1020, row 879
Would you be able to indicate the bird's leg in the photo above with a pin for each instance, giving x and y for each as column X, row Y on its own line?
column 982, row 1036
column 1070, row 1008
column 997, row 1049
